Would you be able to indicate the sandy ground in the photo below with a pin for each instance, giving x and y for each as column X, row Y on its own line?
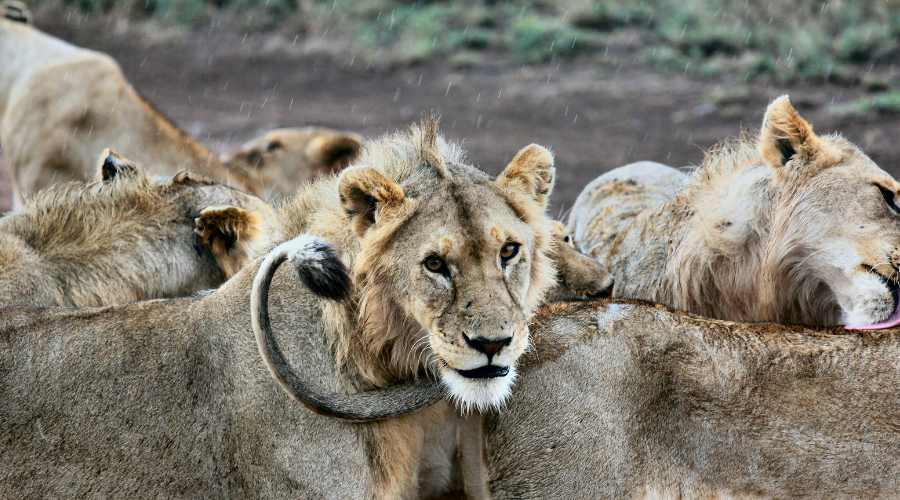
column 225, row 88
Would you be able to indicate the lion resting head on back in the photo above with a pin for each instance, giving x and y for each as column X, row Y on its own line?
column 126, row 237
column 789, row 227
column 448, row 263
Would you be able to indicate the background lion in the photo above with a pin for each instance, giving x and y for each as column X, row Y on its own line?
column 60, row 105
column 125, row 238
column 793, row 228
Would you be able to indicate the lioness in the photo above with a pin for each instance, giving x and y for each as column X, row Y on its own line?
column 283, row 159
column 60, row 105
column 448, row 265
column 125, row 238
column 627, row 400
column 793, row 228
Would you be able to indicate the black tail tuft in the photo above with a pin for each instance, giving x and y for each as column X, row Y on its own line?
column 326, row 277
column 16, row 11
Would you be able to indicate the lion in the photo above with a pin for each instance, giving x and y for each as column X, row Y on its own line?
column 272, row 160
column 61, row 105
column 126, row 237
column 792, row 227
column 630, row 400
column 447, row 267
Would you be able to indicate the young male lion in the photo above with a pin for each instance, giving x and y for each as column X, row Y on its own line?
column 125, row 238
column 60, row 105
column 448, row 265
column 793, row 227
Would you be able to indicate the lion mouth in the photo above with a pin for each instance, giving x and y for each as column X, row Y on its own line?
column 892, row 285
column 486, row 371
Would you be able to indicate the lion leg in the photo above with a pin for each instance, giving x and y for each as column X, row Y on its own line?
column 471, row 458
column 396, row 451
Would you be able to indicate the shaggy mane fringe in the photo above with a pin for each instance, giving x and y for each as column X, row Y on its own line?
column 92, row 215
column 725, row 159
column 371, row 335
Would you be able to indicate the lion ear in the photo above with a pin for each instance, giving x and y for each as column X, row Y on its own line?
column 232, row 235
column 531, row 172
column 334, row 152
column 786, row 135
column 365, row 192
column 112, row 165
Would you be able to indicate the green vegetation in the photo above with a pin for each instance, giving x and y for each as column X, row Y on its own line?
column 784, row 40
column 881, row 103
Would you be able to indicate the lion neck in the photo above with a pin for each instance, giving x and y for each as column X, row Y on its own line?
column 725, row 249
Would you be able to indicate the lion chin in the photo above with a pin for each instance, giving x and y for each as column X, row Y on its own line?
column 482, row 394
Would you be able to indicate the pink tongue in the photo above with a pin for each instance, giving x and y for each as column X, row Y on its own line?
column 891, row 322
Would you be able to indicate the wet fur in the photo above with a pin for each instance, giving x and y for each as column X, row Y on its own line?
column 743, row 235
column 53, row 125
column 651, row 403
column 113, row 242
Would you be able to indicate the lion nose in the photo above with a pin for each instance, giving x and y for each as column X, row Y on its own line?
column 490, row 347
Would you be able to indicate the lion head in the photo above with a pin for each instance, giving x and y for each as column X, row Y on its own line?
column 448, row 263
column 816, row 226
column 282, row 159
column 126, row 237
column 451, row 262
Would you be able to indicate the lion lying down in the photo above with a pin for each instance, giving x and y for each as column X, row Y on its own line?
column 616, row 400
column 792, row 227
column 125, row 237
column 61, row 105
column 625, row 400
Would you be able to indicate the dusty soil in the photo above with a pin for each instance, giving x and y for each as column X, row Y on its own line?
column 225, row 88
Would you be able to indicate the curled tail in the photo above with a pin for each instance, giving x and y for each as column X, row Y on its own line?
column 324, row 274
column 15, row 11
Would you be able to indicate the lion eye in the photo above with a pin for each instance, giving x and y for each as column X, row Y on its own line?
column 274, row 146
column 508, row 251
column 436, row 265
column 888, row 196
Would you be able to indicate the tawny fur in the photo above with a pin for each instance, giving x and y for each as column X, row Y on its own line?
column 752, row 234
column 377, row 338
column 235, row 236
column 283, row 159
column 400, row 324
column 644, row 402
column 60, row 105
column 111, row 242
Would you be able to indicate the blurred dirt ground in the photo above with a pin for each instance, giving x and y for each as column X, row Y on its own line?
column 226, row 87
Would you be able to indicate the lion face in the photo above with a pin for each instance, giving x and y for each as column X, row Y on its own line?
column 466, row 260
column 836, row 222
column 283, row 159
column 852, row 236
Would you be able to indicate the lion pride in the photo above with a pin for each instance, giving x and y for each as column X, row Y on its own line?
column 61, row 105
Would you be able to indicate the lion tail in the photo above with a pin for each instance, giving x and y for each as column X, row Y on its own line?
column 15, row 11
